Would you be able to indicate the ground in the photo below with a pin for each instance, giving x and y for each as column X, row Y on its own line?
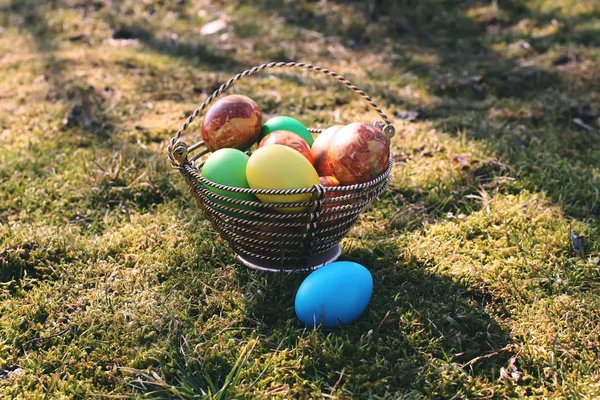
column 112, row 284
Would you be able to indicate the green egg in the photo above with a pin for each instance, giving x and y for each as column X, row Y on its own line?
column 228, row 167
column 282, row 123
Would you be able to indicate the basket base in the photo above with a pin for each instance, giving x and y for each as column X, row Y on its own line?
column 314, row 262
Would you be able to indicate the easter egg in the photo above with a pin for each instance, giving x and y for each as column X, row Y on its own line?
column 228, row 167
column 280, row 167
column 334, row 295
column 288, row 139
column 358, row 153
column 233, row 121
column 328, row 181
column 319, row 150
column 282, row 123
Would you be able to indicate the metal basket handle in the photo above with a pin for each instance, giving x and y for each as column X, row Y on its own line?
column 178, row 150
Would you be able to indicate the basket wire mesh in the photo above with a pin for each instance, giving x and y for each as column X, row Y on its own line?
column 261, row 236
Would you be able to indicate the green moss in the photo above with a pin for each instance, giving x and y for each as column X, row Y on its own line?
column 113, row 284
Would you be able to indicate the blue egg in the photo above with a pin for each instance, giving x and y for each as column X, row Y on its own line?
column 334, row 295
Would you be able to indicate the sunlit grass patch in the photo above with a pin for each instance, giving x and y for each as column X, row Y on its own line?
column 113, row 284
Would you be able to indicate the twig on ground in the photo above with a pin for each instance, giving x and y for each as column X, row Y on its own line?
column 491, row 354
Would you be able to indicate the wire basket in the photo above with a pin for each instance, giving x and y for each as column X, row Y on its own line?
column 262, row 237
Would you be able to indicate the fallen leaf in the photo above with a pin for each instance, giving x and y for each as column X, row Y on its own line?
column 123, row 42
column 73, row 117
column 400, row 156
column 584, row 113
column 578, row 242
column 564, row 58
column 461, row 161
column 518, row 142
column 407, row 115
column 471, row 80
column 581, row 124
column 129, row 32
column 86, row 108
column 213, row 27
column 511, row 372
column 486, row 169
column 78, row 38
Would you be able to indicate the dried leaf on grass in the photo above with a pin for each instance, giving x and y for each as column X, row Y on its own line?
column 484, row 167
column 463, row 162
column 578, row 242
column 511, row 372
column 565, row 58
column 581, row 124
column 408, row 115
column 213, row 27
column 81, row 113
column 584, row 113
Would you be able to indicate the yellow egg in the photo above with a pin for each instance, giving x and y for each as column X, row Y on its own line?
column 280, row 167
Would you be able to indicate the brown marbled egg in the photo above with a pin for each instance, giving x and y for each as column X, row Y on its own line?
column 319, row 150
column 358, row 153
column 234, row 121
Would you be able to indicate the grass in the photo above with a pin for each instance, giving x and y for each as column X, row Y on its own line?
column 112, row 284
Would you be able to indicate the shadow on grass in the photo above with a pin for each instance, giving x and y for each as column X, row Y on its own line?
column 194, row 51
column 429, row 316
column 90, row 121
column 432, row 317
column 87, row 109
column 414, row 317
column 87, row 112
column 473, row 80
column 469, row 76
